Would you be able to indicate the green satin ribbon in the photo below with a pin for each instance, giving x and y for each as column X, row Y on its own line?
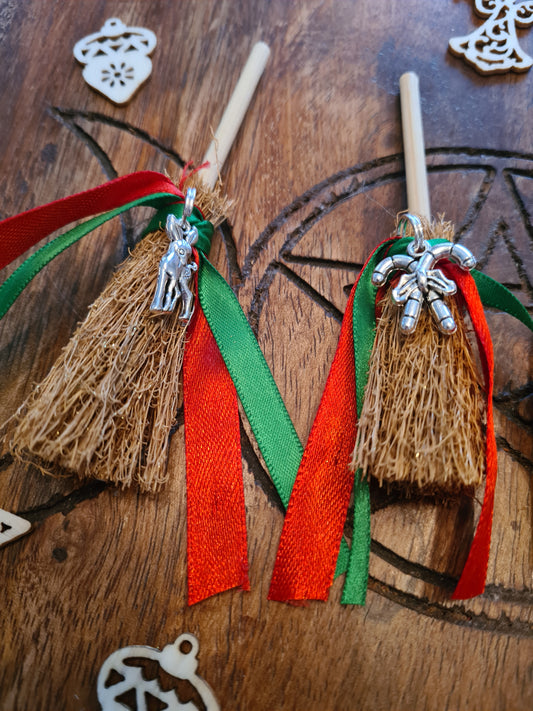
column 364, row 325
column 204, row 227
column 266, row 412
column 259, row 395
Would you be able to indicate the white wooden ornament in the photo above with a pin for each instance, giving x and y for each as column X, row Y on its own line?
column 116, row 59
column 493, row 48
column 12, row 527
column 123, row 673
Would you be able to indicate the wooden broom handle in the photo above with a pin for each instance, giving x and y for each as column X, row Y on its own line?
column 235, row 110
column 413, row 147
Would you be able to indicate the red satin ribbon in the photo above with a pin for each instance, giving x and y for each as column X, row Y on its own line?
column 472, row 580
column 20, row 232
column 216, row 520
column 312, row 532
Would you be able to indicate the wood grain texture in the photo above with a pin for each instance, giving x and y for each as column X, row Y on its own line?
column 317, row 176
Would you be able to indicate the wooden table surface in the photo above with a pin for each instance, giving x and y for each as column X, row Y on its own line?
column 317, row 178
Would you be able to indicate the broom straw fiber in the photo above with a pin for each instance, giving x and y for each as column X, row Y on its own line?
column 422, row 417
column 107, row 407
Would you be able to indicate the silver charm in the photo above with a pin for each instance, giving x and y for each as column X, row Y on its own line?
column 422, row 283
column 176, row 267
column 137, row 672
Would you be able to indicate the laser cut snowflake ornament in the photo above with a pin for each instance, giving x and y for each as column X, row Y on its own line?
column 493, row 48
column 116, row 59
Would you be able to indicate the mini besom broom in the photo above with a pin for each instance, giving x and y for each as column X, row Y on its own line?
column 107, row 407
column 403, row 401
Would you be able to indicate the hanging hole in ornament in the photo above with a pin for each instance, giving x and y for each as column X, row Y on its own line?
column 185, row 646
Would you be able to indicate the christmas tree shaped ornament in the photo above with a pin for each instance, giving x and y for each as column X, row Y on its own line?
column 107, row 407
column 403, row 401
column 116, row 59
column 146, row 674
column 493, row 48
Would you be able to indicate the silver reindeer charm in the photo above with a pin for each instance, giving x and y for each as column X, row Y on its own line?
column 422, row 282
column 176, row 267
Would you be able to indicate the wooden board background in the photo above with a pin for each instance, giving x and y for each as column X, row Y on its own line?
column 317, row 178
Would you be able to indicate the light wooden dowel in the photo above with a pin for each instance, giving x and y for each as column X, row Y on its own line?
column 413, row 147
column 235, row 110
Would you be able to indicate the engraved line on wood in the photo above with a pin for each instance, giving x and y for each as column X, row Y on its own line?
column 320, row 300
column 64, row 504
column 508, row 402
column 327, row 206
column 509, row 177
column 504, row 446
column 235, row 274
column 357, row 187
column 456, row 615
column 501, row 231
column 95, row 117
column 262, row 289
column 261, row 478
column 180, row 419
column 98, row 152
column 66, row 120
column 6, row 460
column 479, row 199
column 364, row 186
column 260, row 243
column 445, row 581
column 323, row 263
column 479, row 152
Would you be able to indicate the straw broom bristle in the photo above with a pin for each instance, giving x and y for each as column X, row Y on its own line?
column 422, row 417
column 107, row 407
